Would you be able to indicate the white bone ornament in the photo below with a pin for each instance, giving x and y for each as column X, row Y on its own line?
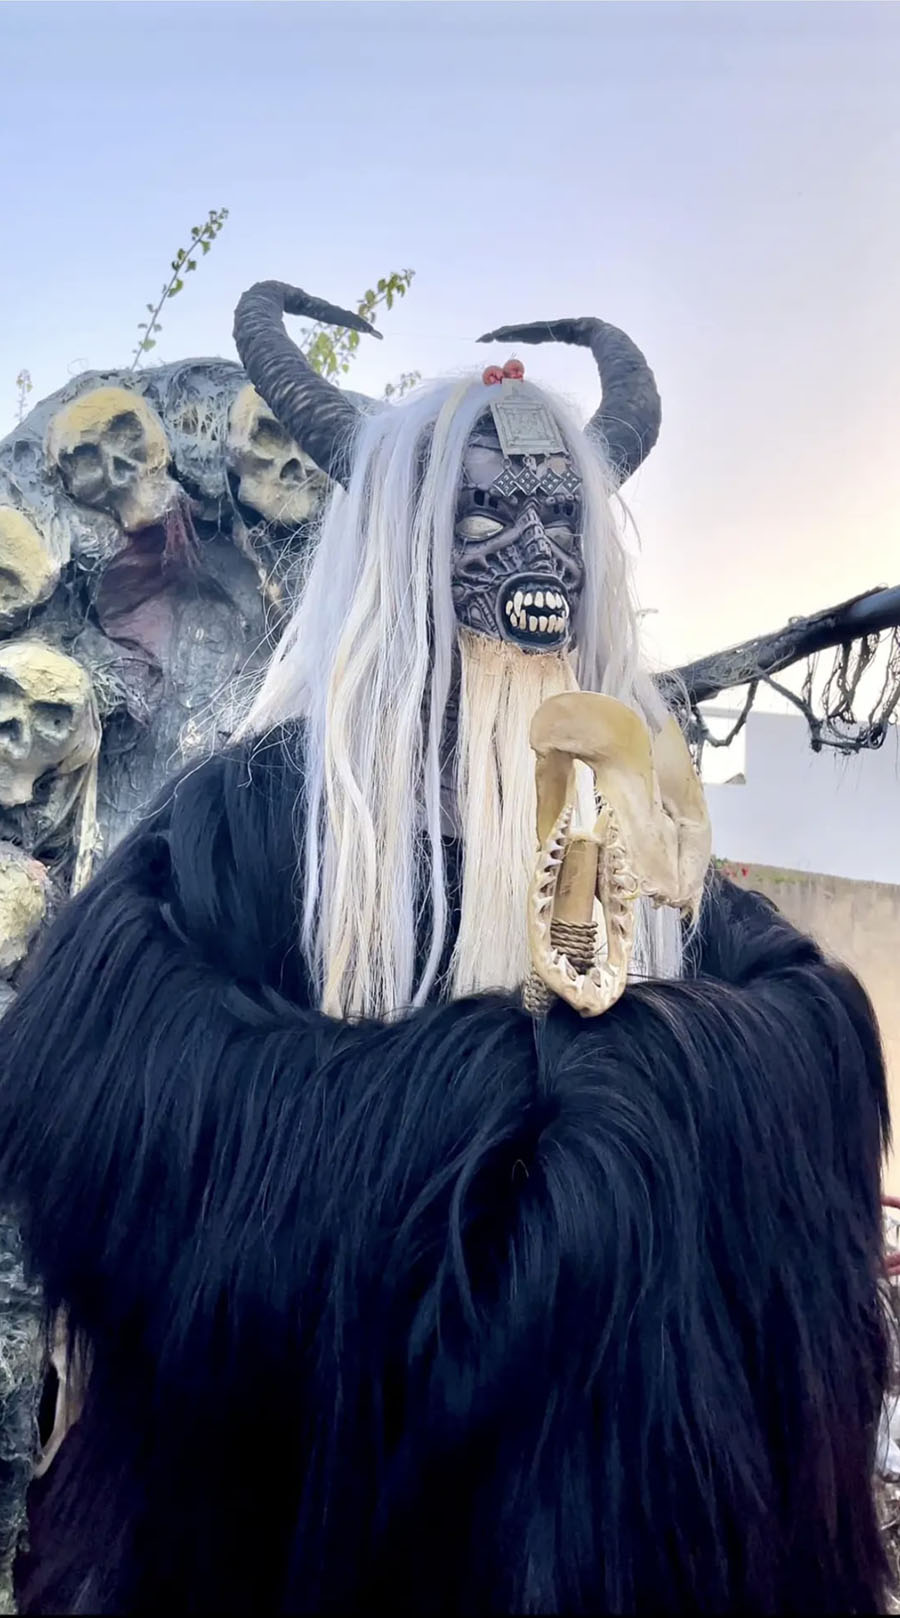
column 651, row 839
column 70, row 1393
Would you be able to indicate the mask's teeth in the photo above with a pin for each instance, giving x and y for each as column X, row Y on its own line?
column 553, row 622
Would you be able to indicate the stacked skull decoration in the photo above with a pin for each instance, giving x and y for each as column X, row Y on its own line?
column 149, row 523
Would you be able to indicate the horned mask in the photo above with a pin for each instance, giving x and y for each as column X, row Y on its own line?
column 517, row 565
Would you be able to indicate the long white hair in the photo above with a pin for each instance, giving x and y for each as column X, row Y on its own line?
column 366, row 661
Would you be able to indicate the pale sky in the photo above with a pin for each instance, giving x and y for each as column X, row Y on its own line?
column 723, row 180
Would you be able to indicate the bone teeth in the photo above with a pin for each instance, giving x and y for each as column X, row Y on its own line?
column 521, row 621
column 509, row 609
column 542, row 625
column 517, row 602
column 539, row 598
column 552, row 623
column 532, row 623
column 528, row 599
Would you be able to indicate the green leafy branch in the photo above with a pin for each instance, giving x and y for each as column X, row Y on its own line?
column 24, row 386
column 396, row 390
column 185, row 260
column 330, row 350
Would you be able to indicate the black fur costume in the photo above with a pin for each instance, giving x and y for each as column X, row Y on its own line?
column 461, row 1314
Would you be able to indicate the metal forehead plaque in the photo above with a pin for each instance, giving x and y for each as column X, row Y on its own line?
column 524, row 425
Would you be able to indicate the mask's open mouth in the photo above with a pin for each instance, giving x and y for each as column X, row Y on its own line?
column 534, row 611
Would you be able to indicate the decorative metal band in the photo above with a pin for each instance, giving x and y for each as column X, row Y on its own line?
column 529, row 478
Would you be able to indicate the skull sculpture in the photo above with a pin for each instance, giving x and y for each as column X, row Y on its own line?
column 274, row 476
column 48, row 718
column 29, row 572
column 112, row 453
column 24, row 890
column 650, row 839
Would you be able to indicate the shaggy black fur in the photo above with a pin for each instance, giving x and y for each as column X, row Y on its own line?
column 461, row 1314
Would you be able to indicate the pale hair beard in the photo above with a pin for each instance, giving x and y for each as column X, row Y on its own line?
column 501, row 689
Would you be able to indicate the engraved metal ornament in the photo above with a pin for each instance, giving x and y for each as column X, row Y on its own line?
column 528, row 478
column 524, row 424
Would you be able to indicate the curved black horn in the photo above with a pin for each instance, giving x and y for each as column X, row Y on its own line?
column 318, row 415
column 628, row 418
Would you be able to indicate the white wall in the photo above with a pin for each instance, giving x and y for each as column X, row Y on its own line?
column 822, row 812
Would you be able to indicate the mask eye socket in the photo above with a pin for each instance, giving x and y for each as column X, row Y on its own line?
column 472, row 528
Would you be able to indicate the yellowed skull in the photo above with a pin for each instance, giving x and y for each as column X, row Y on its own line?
column 112, row 453
column 650, row 839
column 29, row 572
column 24, row 889
column 275, row 477
column 48, row 718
